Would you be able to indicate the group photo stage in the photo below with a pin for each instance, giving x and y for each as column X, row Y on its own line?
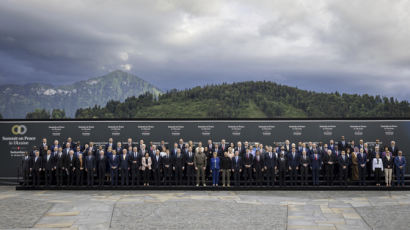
column 257, row 138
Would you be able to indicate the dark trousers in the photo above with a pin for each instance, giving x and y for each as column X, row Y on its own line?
column 36, row 177
column 282, row 175
column 48, row 177
column 362, row 175
column 343, row 175
column 147, row 174
column 304, row 175
column 400, row 176
column 247, row 174
column 114, row 176
column 157, row 176
column 135, row 175
column 90, row 177
column 270, row 175
column 101, row 175
column 167, row 175
column 236, row 177
column 178, row 175
column 26, row 176
column 258, row 176
column 293, row 174
column 329, row 174
column 80, row 177
column 190, row 174
column 315, row 176
column 71, row 177
column 124, row 177
column 60, row 176
column 377, row 175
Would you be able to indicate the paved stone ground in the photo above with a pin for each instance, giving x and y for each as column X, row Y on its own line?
column 204, row 209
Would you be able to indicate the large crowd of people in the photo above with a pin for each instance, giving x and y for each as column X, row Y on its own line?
column 131, row 163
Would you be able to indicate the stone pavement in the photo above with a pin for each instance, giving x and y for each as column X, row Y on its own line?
column 204, row 209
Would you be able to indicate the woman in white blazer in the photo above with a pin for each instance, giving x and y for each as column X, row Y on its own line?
column 146, row 167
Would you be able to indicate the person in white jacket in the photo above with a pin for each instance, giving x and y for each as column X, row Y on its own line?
column 377, row 168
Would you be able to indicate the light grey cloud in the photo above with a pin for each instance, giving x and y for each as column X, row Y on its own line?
column 360, row 47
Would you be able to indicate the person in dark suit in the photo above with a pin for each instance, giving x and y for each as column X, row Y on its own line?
column 362, row 160
column 304, row 163
column 393, row 149
column 240, row 149
column 178, row 166
column 129, row 144
column 282, row 168
column 329, row 162
column 114, row 162
column 101, row 164
column 72, row 165
column 156, row 167
column 60, row 166
column 270, row 166
column 90, row 166
column 135, row 159
column 80, row 170
column 342, row 144
column 37, row 166
column 293, row 163
column 48, row 167
column 26, row 165
column 315, row 166
column 44, row 147
column 190, row 168
column 124, row 167
column 167, row 168
column 343, row 162
column 109, row 144
column 400, row 163
column 237, row 168
column 258, row 167
column 247, row 163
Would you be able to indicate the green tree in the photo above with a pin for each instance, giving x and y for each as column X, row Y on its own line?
column 58, row 114
column 38, row 114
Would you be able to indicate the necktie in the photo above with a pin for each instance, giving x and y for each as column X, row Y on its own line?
column 315, row 157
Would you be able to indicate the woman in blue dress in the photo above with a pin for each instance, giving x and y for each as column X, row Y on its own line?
column 215, row 166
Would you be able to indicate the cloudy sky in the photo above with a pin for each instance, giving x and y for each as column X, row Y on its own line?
column 321, row 45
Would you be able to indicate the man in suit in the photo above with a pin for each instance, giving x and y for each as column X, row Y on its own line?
column 90, row 166
column 156, row 167
column 393, row 148
column 315, row 165
column 37, row 166
column 26, row 165
column 293, row 162
column 190, row 166
column 304, row 163
column 72, row 165
column 114, row 162
column 361, row 160
column 109, row 144
column 400, row 163
column 101, row 164
column 129, row 144
column 329, row 162
column 240, row 149
column 44, row 146
column 67, row 149
column 124, row 167
column 270, row 166
column 135, row 159
column 60, row 166
column 258, row 167
column 247, row 162
column 343, row 162
column 178, row 166
column 237, row 168
column 342, row 144
column 167, row 167
column 48, row 167
column 55, row 145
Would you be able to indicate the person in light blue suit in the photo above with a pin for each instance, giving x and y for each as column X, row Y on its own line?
column 400, row 163
column 215, row 166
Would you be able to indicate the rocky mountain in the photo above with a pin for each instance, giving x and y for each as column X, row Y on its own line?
column 17, row 100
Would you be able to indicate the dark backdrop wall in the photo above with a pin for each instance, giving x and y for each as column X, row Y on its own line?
column 20, row 136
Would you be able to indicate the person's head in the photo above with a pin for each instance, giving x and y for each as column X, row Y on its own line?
column 282, row 149
column 236, row 153
column 377, row 141
column 332, row 142
column 361, row 150
column 118, row 143
column 167, row 151
column 270, row 148
column 110, row 140
column 124, row 151
column 46, row 147
column 157, row 152
column 215, row 154
column 134, row 149
column 329, row 151
column 342, row 138
column 25, row 153
column 387, row 154
column 71, row 152
column 361, row 141
column 114, row 152
column 377, row 155
column 287, row 142
column 55, row 149
column 216, row 145
column 190, row 149
column 129, row 148
column 67, row 145
column 60, row 149
column 386, row 149
column 239, row 144
column 343, row 152
column 377, row 149
column 393, row 143
column 44, row 140
column 303, row 152
column 55, row 142
column 247, row 151
column 69, row 139
column 78, row 148
column 91, row 143
column 146, row 154
column 257, row 153
column 175, row 145
column 293, row 149
column 400, row 153
column 223, row 141
column 129, row 140
column 178, row 151
column 181, row 141
column 48, row 152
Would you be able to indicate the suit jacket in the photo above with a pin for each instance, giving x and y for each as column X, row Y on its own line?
column 293, row 161
column 283, row 164
column 72, row 162
column 248, row 160
column 189, row 159
column 166, row 161
column 136, row 159
column 89, row 162
column 145, row 164
column 342, row 146
column 258, row 164
column 345, row 162
column 315, row 163
column 156, row 164
column 37, row 164
column 329, row 158
column 270, row 162
column 226, row 163
column 124, row 164
column 237, row 164
column 48, row 164
column 178, row 162
column 114, row 161
column 60, row 161
column 394, row 151
column 26, row 164
column 102, row 163
column 361, row 159
column 399, row 162
column 305, row 160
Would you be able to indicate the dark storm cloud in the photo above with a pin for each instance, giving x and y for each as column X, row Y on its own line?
column 360, row 47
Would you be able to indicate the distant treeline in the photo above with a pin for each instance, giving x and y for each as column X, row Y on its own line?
column 243, row 100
